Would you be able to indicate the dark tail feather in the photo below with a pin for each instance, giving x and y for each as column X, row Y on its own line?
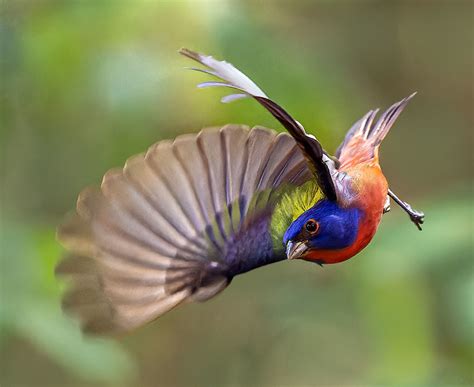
column 386, row 121
column 363, row 138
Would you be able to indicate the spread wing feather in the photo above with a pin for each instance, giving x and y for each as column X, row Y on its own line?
column 175, row 225
column 320, row 164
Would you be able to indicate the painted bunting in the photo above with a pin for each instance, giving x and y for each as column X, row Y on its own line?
column 178, row 222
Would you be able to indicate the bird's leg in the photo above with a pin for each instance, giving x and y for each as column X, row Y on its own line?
column 416, row 217
column 386, row 207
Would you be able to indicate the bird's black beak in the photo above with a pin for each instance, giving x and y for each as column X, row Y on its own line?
column 295, row 250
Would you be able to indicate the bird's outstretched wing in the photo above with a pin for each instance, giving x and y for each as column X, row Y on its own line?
column 175, row 225
column 319, row 163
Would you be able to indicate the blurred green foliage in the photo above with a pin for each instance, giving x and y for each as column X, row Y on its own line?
column 86, row 84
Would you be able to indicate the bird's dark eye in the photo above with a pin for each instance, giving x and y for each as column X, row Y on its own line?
column 311, row 226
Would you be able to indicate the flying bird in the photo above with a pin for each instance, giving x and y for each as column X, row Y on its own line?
column 178, row 222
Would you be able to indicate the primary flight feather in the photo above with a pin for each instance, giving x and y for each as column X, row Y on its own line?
column 179, row 221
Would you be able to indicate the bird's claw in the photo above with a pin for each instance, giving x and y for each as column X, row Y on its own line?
column 417, row 217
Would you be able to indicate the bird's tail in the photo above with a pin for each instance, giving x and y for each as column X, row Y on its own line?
column 362, row 141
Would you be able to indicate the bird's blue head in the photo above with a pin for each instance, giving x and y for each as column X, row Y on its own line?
column 325, row 226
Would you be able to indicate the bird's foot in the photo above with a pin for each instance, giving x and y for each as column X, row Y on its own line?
column 417, row 217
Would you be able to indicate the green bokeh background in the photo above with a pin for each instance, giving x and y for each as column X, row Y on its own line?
column 85, row 84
